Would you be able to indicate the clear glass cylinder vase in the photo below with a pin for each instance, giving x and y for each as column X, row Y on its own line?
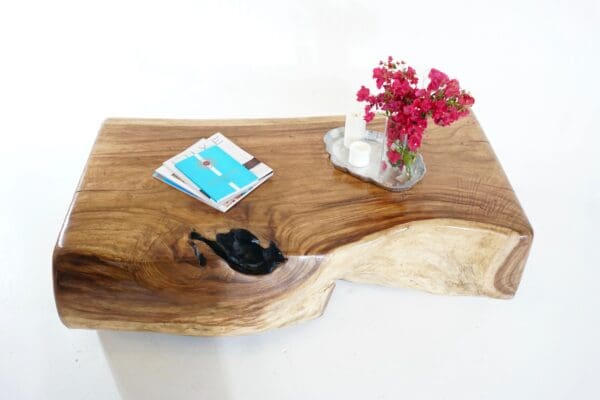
column 398, row 172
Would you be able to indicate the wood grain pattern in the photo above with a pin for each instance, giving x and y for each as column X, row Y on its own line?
column 122, row 260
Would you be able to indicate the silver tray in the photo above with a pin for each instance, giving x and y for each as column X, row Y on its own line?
column 338, row 155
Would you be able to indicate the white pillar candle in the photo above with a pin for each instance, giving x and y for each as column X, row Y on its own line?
column 355, row 128
column 359, row 154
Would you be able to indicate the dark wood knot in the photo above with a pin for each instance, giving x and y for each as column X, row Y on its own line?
column 241, row 250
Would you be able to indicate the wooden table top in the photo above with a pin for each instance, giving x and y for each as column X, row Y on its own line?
column 123, row 261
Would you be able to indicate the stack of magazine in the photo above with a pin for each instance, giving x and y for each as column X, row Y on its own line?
column 215, row 171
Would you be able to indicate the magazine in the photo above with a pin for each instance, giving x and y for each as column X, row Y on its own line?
column 214, row 171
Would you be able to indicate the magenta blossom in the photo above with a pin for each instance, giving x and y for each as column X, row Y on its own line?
column 408, row 107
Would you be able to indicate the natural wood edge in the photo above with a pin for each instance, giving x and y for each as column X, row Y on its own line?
column 224, row 122
column 510, row 273
column 442, row 256
column 283, row 315
column 303, row 302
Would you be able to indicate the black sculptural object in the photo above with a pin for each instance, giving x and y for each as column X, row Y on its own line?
column 241, row 250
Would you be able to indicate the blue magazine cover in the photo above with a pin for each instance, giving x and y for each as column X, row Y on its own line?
column 216, row 173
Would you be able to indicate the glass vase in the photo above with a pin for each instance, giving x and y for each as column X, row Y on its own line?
column 398, row 175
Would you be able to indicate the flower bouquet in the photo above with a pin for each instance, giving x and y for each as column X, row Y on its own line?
column 408, row 109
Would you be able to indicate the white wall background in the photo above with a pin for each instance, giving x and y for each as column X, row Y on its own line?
column 533, row 67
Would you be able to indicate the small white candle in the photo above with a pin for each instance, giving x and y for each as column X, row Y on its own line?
column 359, row 154
column 355, row 128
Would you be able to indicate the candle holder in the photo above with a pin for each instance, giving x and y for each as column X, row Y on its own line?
column 373, row 172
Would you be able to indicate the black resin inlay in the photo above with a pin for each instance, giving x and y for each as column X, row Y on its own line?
column 241, row 250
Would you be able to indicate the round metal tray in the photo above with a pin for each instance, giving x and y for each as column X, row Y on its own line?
column 338, row 155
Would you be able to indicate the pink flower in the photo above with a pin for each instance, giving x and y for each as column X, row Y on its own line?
column 393, row 156
column 438, row 78
column 452, row 88
column 362, row 94
column 369, row 115
column 414, row 142
column 466, row 100
column 379, row 74
column 408, row 110
column 411, row 75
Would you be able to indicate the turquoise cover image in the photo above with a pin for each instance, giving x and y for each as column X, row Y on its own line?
column 204, row 173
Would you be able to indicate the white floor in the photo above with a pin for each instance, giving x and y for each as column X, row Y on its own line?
column 533, row 68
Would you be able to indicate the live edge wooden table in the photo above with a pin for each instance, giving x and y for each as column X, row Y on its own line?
column 123, row 260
